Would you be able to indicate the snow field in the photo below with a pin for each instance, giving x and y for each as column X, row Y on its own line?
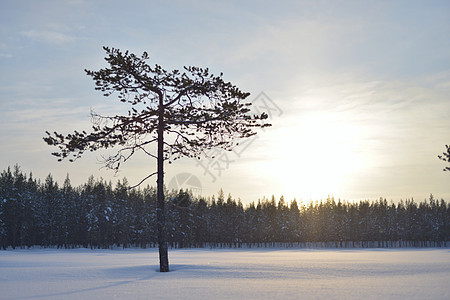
column 226, row 274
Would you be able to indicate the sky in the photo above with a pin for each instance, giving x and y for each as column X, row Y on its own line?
column 357, row 91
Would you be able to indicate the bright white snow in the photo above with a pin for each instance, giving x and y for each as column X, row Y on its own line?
column 226, row 274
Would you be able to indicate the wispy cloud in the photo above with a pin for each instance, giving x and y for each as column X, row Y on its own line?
column 48, row 36
column 5, row 55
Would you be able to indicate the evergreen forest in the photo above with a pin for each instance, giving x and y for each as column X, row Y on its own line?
column 100, row 215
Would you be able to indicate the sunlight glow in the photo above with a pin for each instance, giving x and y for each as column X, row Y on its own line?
column 318, row 159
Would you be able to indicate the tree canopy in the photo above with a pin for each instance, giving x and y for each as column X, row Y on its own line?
column 200, row 111
column 446, row 157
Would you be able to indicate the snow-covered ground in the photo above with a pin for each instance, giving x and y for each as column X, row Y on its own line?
column 226, row 274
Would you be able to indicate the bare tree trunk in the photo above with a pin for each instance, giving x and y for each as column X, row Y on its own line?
column 160, row 211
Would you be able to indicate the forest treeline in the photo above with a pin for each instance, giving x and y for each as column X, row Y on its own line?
column 100, row 215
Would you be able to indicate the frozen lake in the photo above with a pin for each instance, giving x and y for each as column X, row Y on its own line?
column 226, row 274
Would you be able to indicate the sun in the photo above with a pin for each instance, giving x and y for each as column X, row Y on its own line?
column 318, row 157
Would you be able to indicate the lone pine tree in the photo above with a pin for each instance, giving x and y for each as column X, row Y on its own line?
column 184, row 113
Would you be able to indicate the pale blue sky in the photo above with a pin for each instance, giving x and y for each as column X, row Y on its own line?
column 361, row 89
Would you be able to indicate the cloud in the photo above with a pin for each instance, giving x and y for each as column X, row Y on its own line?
column 47, row 36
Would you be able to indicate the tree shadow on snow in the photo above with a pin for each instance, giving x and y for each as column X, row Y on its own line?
column 125, row 275
column 147, row 272
column 175, row 268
